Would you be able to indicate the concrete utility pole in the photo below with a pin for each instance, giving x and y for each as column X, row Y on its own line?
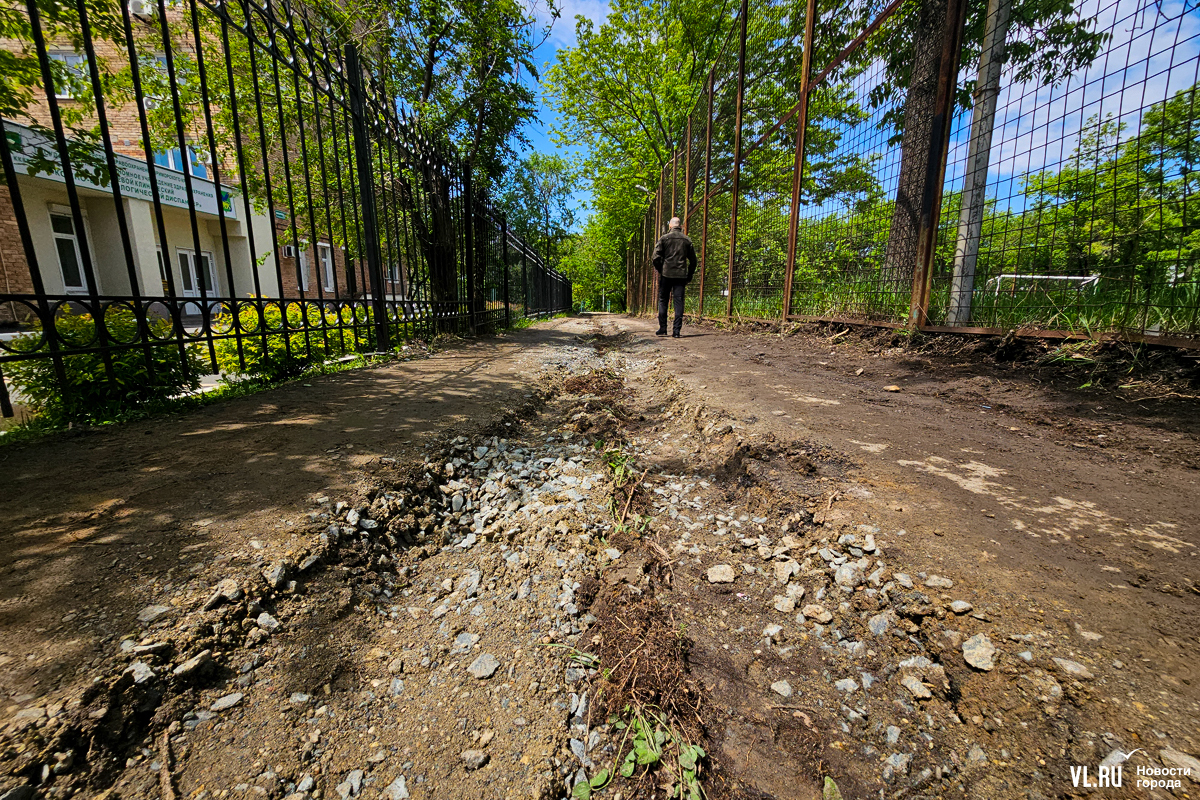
column 983, row 117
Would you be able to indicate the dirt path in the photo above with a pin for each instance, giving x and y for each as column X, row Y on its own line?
column 425, row 580
column 98, row 525
column 1089, row 504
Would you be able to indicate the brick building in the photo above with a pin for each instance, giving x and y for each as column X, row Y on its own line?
column 190, row 262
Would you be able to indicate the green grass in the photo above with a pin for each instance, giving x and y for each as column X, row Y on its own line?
column 1162, row 310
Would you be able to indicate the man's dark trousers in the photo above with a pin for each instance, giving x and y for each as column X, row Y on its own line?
column 668, row 287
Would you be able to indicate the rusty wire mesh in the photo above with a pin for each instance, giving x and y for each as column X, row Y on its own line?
column 1080, row 214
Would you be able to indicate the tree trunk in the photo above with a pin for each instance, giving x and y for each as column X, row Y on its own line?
column 983, row 117
column 916, row 140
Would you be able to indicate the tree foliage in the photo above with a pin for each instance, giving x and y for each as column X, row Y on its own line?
column 537, row 194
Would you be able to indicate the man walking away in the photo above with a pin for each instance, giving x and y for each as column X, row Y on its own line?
column 675, row 263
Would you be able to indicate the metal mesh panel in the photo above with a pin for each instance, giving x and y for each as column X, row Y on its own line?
column 1052, row 190
column 773, row 80
column 1087, row 219
column 848, row 200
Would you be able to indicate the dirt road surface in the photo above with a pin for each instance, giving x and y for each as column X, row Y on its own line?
column 912, row 575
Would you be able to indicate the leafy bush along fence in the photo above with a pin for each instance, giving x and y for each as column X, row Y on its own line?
column 953, row 165
column 216, row 185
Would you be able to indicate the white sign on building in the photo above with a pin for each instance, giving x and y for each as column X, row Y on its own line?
column 28, row 146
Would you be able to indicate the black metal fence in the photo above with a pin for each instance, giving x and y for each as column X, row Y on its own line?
column 228, row 181
column 964, row 165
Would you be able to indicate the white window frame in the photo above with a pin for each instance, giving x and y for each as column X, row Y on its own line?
column 177, row 162
column 212, row 272
column 302, row 254
column 325, row 259
column 76, row 62
column 56, row 210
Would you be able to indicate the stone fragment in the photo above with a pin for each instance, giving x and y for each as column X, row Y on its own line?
column 396, row 790
column 468, row 585
column 267, row 622
column 784, row 570
column 228, row 701
column 351, row 786
column 830, row 790
column 1074, row 669
column 918, row 689
column 880, row 623
column 484, row 666
column 784, row 603
column 474, row 759
column 141, row 672
column 817, row 613
column 277, row 575
column 226, row 591
column 396, row 666
column 721, row 573
column 1177, row 760
column 960, row 606
column 1044, row 686
column 848, row 575
column 151, row 614
column 782, row 688
column 978, row 652
column 848, row 685
column 895, row 765
column 194, row 665
column 976, row 754
column 772, row 632
column 938, row 582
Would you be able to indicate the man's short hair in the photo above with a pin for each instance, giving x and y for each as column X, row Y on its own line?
column 674, row 223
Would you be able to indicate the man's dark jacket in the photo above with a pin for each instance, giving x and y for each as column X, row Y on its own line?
column 674, row 256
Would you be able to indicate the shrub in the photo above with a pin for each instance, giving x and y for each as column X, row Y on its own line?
column 90, row 396
column 285, row 354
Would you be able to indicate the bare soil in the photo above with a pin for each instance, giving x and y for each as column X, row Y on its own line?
column 1066, row 517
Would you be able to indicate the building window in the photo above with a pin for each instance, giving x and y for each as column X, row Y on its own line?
column 70, row 258
column 196, row 271
column 325, row 255
column 71, row 78
column 171, row 159
column 303, row 255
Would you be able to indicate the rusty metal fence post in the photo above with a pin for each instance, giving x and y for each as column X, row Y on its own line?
column 737, row 157
column 798, row 168
column 687, row 174
column 707, row 179
column 935, row 175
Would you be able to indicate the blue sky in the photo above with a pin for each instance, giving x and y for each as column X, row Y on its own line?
column 1154, row 51
column 562, row 34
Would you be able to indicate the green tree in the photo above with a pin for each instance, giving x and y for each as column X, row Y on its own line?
column 1049, row 43
column 537, row 194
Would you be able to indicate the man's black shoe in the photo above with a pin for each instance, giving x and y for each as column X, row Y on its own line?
column 675, row 335
column 663, row 332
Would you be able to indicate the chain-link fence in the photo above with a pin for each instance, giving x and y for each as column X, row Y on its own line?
column 967, row 165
